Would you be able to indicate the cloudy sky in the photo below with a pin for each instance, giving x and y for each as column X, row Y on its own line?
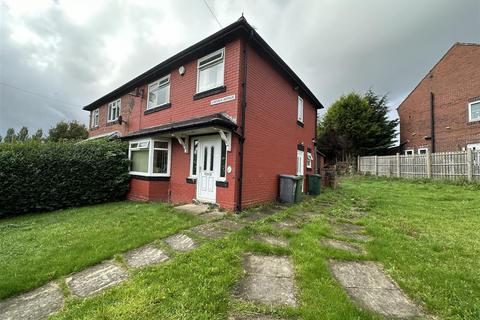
column 58, row 55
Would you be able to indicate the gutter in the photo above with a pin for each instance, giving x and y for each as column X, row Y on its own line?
column 241, row 137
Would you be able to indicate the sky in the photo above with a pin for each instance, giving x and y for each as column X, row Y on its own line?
column 57, row 56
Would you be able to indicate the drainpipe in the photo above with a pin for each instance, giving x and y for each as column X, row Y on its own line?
column 241, row 137
column 432, row 120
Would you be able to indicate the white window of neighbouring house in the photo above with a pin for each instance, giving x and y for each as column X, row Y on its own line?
column 474, row 111
column 473, row 146
column 150, row 157
column 113, row 110
column 159, row 93
column 210, row 72
column 422, row 151
column 309, row 160
column 95, row 117
column 300, row 162
column 300, row 110
column 409, row 152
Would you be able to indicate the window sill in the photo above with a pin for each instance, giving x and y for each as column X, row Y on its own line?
column 111, row 123
column 158, row 108
column 210, row 92
column 473, row 122
column 94, row 128
column 149, row 178
column 300, row 123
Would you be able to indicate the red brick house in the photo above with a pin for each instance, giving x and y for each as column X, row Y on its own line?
column 442, row 113
column 217, row 122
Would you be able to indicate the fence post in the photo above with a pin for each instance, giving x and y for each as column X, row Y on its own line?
column 376, row 165
column 358, row 165
column 398, row 166
column 469, row 165
column 429, row 164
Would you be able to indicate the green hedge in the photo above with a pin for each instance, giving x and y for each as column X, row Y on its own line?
column 49, row 176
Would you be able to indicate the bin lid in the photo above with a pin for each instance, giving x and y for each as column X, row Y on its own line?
column 290, row 176
column 314, row 175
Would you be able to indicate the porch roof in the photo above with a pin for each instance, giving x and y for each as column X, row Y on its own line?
column 216, row 119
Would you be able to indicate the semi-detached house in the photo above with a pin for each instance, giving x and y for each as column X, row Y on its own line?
column 217, row 122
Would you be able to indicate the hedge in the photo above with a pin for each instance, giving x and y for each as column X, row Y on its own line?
column 54, row 175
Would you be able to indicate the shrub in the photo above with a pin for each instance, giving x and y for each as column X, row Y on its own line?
column 46, row 176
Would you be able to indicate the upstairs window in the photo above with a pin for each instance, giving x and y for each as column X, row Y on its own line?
column 159, row 93
column 113, row 110
column 474, row 111
column 300, row 110
column 211, row 71
column 94, row 119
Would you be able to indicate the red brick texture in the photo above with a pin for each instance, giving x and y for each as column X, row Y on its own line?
column 454, row 81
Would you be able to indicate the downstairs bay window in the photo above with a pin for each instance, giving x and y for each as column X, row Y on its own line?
column 150, row 157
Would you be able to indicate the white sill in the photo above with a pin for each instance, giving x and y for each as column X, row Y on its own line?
column 205, row 90
column 160, row 105
column 135, row 173
column 110, row 121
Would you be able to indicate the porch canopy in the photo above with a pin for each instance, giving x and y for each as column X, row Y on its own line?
column 215, row 123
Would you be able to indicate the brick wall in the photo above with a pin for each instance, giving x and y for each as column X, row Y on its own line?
column 272, row 132
column 455, row 81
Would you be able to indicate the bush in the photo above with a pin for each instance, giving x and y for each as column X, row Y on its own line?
column 47, row 176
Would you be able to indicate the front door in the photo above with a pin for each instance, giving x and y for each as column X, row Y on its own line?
column 208, row 168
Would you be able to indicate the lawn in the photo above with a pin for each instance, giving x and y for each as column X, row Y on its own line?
column 425, row 234
column 40, row 247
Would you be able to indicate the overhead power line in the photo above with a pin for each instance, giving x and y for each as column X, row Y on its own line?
column 213, row 13
column 38, row 94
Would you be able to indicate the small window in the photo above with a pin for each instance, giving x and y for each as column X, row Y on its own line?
column 300, row 110
column 409, row 152
column 309, row 160
column 95, row 117
column 150, row 157
column 114, row 110
column 210, row 71
column 473, row 146
column 474, row 111
column 300, row 163
column 223, row 160
column 159, row 93
column 422, row 151
column 194, row 158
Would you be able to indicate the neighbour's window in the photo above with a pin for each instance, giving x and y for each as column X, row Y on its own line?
column 474, row 111
column 95, row 117
column 309, row 160
column 159, row 92
column 113, row 110
column 409, row 152
column 422, row 151
column 300, row 110
column 473, row 146
column 194, row 152
column 300, row 163
column 150, row 157
column 211, row 71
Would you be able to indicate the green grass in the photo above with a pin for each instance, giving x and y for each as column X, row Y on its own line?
column 37, row 248
column 425, row 234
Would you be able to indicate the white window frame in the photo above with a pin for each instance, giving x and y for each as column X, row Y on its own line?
column 309, row 160
column 470, row 111
column 419, row 151
column 160, row 83
column 95, row 118
column 151, row 148
column 300, row 109
column 410, row 152
column 474, row 145
column 117, row 104
column 192, row 145
column 210, row 64
column 300, row 168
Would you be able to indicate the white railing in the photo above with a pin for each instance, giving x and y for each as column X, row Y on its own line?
column 444, row 165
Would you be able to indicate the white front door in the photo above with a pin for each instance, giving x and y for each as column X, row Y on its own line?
column 208, row 168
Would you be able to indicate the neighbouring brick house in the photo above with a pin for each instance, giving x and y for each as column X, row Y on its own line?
column 443, row 112
column 217, row 122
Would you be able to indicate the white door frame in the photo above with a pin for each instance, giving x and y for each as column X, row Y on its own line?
column 206, row 190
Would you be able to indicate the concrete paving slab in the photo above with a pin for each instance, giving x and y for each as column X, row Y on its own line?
column 195, row 209
column 212, row 215
column 144, row 256
column 342, row 245
column 368, row 285
column 268, row 280
column 96, row 279
column 208, row 230
column 289, row 225
column 252, row 317
column 229, row 225
column 181, row 242
column 351, row 231
column 36, row 304
column 271, row 240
